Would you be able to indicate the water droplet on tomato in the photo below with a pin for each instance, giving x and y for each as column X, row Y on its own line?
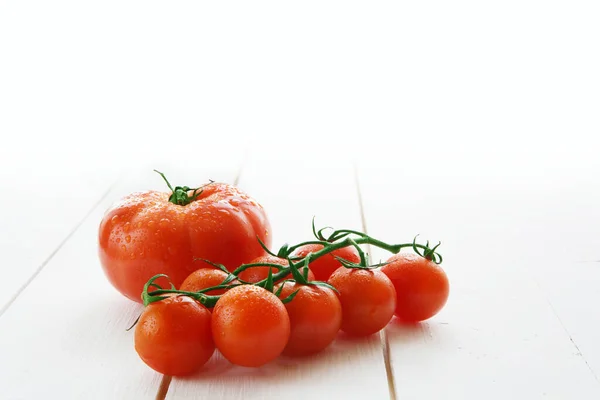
column 128, row 239
column 132, row 256
column 123, row 247
column 114, row 219
column 126, row 227
column 118, row 240
column 266, row 232
column 164, row 222
column 234, row 202
column 139, row 224
column 150, row 224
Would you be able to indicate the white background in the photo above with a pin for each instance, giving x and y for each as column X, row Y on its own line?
column 470, row 87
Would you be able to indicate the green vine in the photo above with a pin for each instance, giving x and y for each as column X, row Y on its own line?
column 296, row 266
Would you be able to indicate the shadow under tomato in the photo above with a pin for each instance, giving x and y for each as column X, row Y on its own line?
column 345, row 350
column 399, row 332
column 403, row 332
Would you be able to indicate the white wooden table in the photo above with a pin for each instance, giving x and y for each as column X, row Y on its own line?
column 520, row 322
column 471, row 123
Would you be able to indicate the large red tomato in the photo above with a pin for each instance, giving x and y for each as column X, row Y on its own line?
column 147, row 233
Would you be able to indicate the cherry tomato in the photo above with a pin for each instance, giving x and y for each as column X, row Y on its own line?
column 324, row 266
column 368, row 299
column 422, row 287
column 145, row 234
column 173, row 336
column 257, row 274
column 250, row 326
column 315, row 318
column 205, row 278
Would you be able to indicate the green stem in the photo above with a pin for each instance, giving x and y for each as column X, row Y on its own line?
column 206, row 300
column 343, row 232
column 295, row 247
column 361, row 253
column 331, row 247
column 294, row 266
column 221, row 286
column 180, row 195
column 244, row 267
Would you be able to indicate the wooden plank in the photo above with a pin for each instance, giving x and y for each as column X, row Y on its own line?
column 293, row 192
column 41, row 208
column 568, row 271
column 66, row 331
column 571, row 288
column 498, row 337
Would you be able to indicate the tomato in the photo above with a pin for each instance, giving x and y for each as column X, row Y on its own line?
column 368, row 299
column 315, row 318
column 173, row 336
column 145, row 234
column 422, row 287
column 257, row 274
column 205, row 278
column 250, row 326
column 324, row 266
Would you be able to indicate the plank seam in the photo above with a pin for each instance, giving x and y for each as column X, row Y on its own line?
column 56, row 250
column 579, row 352
column 385, row 345
column 165, row 382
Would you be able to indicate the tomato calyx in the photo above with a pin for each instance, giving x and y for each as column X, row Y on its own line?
column 288, row 298
column 151, row 296
column 180, row 194
column 352, row 265
column 270, row 286
column 428, row 253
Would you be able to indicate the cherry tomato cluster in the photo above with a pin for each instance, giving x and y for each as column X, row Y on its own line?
column 293, row 302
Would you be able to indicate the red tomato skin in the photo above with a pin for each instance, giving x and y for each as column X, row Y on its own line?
column 324, row 266
column 315, row 318
column 250, row 326
column 422, row 287
column 368, row 299
column 257, row 274
column 144, row 235
column 174, row 337
column 205, row 278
